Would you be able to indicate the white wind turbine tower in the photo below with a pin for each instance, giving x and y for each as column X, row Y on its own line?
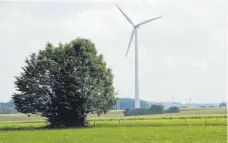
column 134, row 32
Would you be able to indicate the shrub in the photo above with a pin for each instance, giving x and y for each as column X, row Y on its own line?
column 126, row 111
column 157, row 109
column 138, row 111
column 173, row 110
column 223, row 104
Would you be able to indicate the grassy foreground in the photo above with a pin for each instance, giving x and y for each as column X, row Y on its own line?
column 120, row 131
column 165, row 134
column 202, row 125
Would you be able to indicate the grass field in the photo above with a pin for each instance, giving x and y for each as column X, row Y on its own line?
column 189, row 134
column 189, row 126
column 125, row 131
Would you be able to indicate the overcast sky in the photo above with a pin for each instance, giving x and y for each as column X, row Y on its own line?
column 181, row 55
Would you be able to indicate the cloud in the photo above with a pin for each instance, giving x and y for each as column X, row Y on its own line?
column 199, row 64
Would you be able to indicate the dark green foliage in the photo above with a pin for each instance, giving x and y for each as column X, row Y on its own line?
column 138, row 111
column 173, row 110
column 65, row 83
column 157, row 109
column 223, row 104
column 126, row 111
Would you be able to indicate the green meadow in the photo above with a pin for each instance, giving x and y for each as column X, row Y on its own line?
column 143, row 129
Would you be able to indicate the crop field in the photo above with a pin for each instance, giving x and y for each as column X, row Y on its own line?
column 189, row 126
column 19, row 117
column 119, row 114
column 183, row 112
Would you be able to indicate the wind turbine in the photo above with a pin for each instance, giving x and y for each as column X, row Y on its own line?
column 134, row 32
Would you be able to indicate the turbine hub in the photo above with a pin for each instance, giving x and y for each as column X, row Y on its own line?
column 136, row 26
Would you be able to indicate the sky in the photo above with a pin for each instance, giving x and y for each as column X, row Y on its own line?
column 182, row 55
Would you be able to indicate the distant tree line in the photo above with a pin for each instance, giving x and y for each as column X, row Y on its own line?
column 7, row 108
column 154, row 109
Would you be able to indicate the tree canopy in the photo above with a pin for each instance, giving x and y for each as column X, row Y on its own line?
column 157, row 109
column 174, row 109
column 65, row 83
column 223, row 104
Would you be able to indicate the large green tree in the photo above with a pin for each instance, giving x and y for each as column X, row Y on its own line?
column 65, row 83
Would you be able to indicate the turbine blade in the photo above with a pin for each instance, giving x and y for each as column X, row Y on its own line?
column 132, row 35
column 125, row 15
column 149, row 20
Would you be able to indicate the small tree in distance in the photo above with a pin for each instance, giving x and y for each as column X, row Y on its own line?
column 223, row 104
column 126, row 111
column 157, row 109
column 65, row 83
column 173, row 110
